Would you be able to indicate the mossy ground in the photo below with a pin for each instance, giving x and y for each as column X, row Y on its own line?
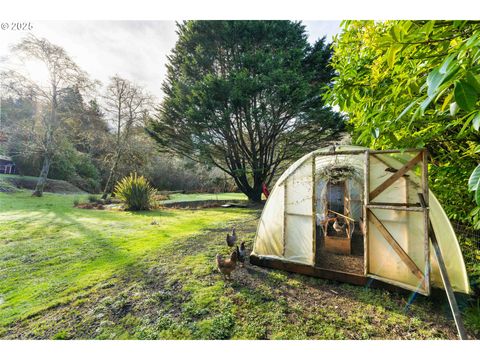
column 69, row 273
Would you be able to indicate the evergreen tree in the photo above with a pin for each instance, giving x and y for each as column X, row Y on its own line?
column 245, row 96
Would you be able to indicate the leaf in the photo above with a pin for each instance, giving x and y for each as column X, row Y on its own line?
column 447, row 100
column 473, row 82
column 393, row 33
column 425, row 104
column 414, row 116
column 465, row 125
column 465, row 95
column 453, row 109
column 439, row 76
column 477, row 197
column 476, row 121
column 402, row 114
column 428, row 27
column 474, row 179
column 406, row 26
column 391, row 55
column 434, row 80
column 446, row 64
column 472, row 41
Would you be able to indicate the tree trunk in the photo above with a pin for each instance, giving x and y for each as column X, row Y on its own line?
column 113, row 170
column 255, row 194
column 42, row 179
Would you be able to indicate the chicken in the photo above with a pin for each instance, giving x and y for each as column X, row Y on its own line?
column 337, row 227
column 226, row 266
column 231, row 239
column 241, row 253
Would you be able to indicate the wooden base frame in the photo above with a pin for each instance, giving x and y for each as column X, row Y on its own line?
column 308, row 270
column 348, row 278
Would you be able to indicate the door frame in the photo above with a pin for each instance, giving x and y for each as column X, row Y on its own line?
column 369, row 216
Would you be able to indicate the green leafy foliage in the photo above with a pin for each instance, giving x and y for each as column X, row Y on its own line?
column 415, row 84
column 465, row 95
column 136, row 192
column 472, row 318
column 474, row 182
column 93, row 198
column 426, row 94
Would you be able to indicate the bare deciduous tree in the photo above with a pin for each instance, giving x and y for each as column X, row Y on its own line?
column 62, row 73
column 128, row 106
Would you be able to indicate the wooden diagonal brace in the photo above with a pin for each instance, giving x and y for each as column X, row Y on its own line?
column 398, row 249
column 400, row 172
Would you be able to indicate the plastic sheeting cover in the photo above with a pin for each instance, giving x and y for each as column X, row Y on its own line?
column 269, row 241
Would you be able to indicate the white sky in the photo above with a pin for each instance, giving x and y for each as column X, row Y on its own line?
column 136, row 50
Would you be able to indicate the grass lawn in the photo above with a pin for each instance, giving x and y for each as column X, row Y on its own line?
column 51, row 253
column 200, row 197
column 91, row 274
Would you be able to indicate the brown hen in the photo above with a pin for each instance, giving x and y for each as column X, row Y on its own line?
column 226, row 266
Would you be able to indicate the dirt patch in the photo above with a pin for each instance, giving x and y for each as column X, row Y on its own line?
column 352, row 264
column 90, row 206
column 95, row 203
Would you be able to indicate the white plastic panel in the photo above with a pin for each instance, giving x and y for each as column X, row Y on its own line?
column 405, row 189
column 407, row 229
column 298, row 214
column 452, row 254
column 299, row 188
column 395, row 193
column 269, row 240
column 299, row 239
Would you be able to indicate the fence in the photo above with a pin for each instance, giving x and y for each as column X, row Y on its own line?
column 468, row 237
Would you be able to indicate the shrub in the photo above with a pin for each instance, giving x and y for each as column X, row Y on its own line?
column 93, row 198
column 136, row 192
column 472, row 318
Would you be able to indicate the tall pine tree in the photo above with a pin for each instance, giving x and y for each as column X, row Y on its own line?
column 245, row 96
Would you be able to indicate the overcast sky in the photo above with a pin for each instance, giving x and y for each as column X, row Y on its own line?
column 135, row 50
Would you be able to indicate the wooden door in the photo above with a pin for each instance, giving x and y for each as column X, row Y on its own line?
column 396, row 230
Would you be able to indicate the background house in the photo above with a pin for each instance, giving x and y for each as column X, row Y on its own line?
column 7, row 166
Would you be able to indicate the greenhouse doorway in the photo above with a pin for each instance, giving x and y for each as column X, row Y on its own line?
column 339, row 237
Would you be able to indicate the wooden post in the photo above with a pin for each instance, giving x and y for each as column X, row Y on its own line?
column 314, row 210
column 398, row 207
column 284, row 216
column 426, row 217
column 366, row 201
